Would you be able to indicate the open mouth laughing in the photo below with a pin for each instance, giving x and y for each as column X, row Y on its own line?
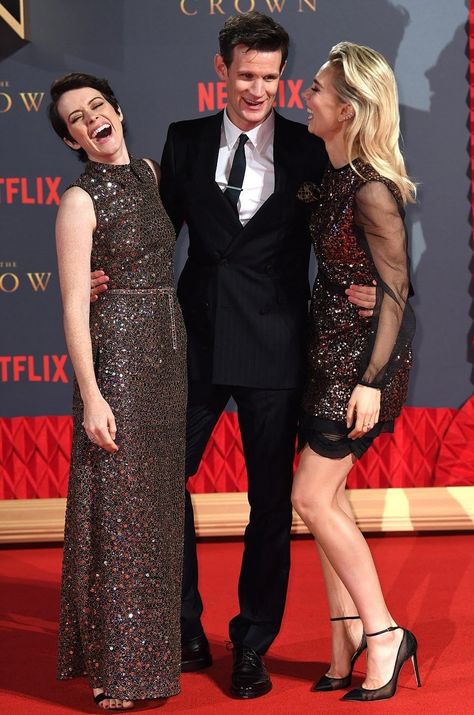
column 102, row 132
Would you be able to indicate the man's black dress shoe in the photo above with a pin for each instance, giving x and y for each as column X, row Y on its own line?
column 195, row 654
column 250, row 678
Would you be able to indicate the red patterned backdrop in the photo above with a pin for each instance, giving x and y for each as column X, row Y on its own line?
column 430, row 446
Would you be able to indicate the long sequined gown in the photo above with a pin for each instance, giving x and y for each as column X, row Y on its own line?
column 358, row 235
column 121, row 586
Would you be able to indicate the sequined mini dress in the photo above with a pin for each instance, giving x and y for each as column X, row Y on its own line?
column 121, row 583
column 358, row 234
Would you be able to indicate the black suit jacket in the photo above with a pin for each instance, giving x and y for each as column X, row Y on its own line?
column 243, row 289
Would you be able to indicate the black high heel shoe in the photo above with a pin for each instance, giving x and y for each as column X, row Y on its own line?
column 326, row 683
column 407, row 649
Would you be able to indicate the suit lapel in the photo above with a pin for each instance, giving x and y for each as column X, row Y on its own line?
column 204, row 174
column 282, row 153
column 207, row 147
column 204, row 180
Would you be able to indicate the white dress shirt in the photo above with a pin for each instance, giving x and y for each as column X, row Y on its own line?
column 259, row 179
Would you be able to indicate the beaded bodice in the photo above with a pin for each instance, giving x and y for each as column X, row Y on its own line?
column 134, row 239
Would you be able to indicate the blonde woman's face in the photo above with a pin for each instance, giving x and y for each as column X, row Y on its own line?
column 326, row 112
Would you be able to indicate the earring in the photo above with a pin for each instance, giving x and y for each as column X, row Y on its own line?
column 346, row 117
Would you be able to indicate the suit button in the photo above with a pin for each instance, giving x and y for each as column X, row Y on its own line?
column 224, row 261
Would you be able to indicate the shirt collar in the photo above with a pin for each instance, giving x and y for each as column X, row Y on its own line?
column 259, row 137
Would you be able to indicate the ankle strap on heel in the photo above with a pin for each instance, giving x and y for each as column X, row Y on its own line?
column 385, row 630
column 344, row 618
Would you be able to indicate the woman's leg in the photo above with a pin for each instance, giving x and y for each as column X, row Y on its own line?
column 316, row 498
column 345, row 635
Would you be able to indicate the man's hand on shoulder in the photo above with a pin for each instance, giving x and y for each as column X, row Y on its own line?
column 98, row 284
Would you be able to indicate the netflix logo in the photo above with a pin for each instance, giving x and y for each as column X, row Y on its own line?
column 29, row 190
column 33, row 368
column 212, row 96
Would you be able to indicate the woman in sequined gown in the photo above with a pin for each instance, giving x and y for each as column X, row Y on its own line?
column 357, row 367
column 121, row 584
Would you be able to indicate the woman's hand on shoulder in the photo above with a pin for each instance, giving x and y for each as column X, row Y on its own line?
column 99, row 423
column 363, row 410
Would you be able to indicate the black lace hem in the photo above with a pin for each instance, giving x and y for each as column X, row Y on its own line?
column 329, row 438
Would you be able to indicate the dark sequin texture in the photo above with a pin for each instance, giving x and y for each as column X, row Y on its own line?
column 338, row 336
column 121, row 587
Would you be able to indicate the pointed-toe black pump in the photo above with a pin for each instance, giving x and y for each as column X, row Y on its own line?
column 406, row 650
column 326, row 683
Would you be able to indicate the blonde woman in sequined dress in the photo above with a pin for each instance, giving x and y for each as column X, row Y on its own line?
column 121, row 584
column 357, row 367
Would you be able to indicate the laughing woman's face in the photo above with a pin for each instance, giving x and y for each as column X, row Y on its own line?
column 93, row 124
column 325, row 109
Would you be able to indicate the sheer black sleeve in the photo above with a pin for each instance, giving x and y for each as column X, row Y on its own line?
column 379, row 224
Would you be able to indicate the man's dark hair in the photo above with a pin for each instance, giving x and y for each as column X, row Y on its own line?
column 257, row 32
column 76, row 80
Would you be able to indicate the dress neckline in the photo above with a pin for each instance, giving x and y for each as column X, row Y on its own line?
column 356, row 162
column 96, row 166
column 123, row 173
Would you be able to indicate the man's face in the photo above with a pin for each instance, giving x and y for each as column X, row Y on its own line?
column 252, row 83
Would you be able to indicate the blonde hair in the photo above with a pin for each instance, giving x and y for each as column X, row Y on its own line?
column 364, row 79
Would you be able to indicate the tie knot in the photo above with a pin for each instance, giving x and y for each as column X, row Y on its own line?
column 242, row 139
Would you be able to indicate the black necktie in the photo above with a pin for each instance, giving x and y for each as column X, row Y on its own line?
column 237, row 173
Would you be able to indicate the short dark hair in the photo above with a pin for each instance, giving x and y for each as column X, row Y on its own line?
column 257, row 32
column 76, row 80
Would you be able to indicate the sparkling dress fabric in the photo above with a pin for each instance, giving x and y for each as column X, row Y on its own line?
column 358, row 235
column 121, row 585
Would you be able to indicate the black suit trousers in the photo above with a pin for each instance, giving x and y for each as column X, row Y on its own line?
column 268, row 422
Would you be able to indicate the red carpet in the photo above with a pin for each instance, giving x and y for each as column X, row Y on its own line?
column 428, row 581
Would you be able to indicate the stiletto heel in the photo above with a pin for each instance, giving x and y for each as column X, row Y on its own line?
column 414, row 661
column 326, row 683
column 406, row 651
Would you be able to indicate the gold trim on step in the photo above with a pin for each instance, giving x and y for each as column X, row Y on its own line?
column 226, row 514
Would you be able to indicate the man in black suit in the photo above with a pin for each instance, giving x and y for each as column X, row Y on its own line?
column 233, row 178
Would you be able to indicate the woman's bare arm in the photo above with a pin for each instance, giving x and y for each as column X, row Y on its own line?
column 75, row 225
